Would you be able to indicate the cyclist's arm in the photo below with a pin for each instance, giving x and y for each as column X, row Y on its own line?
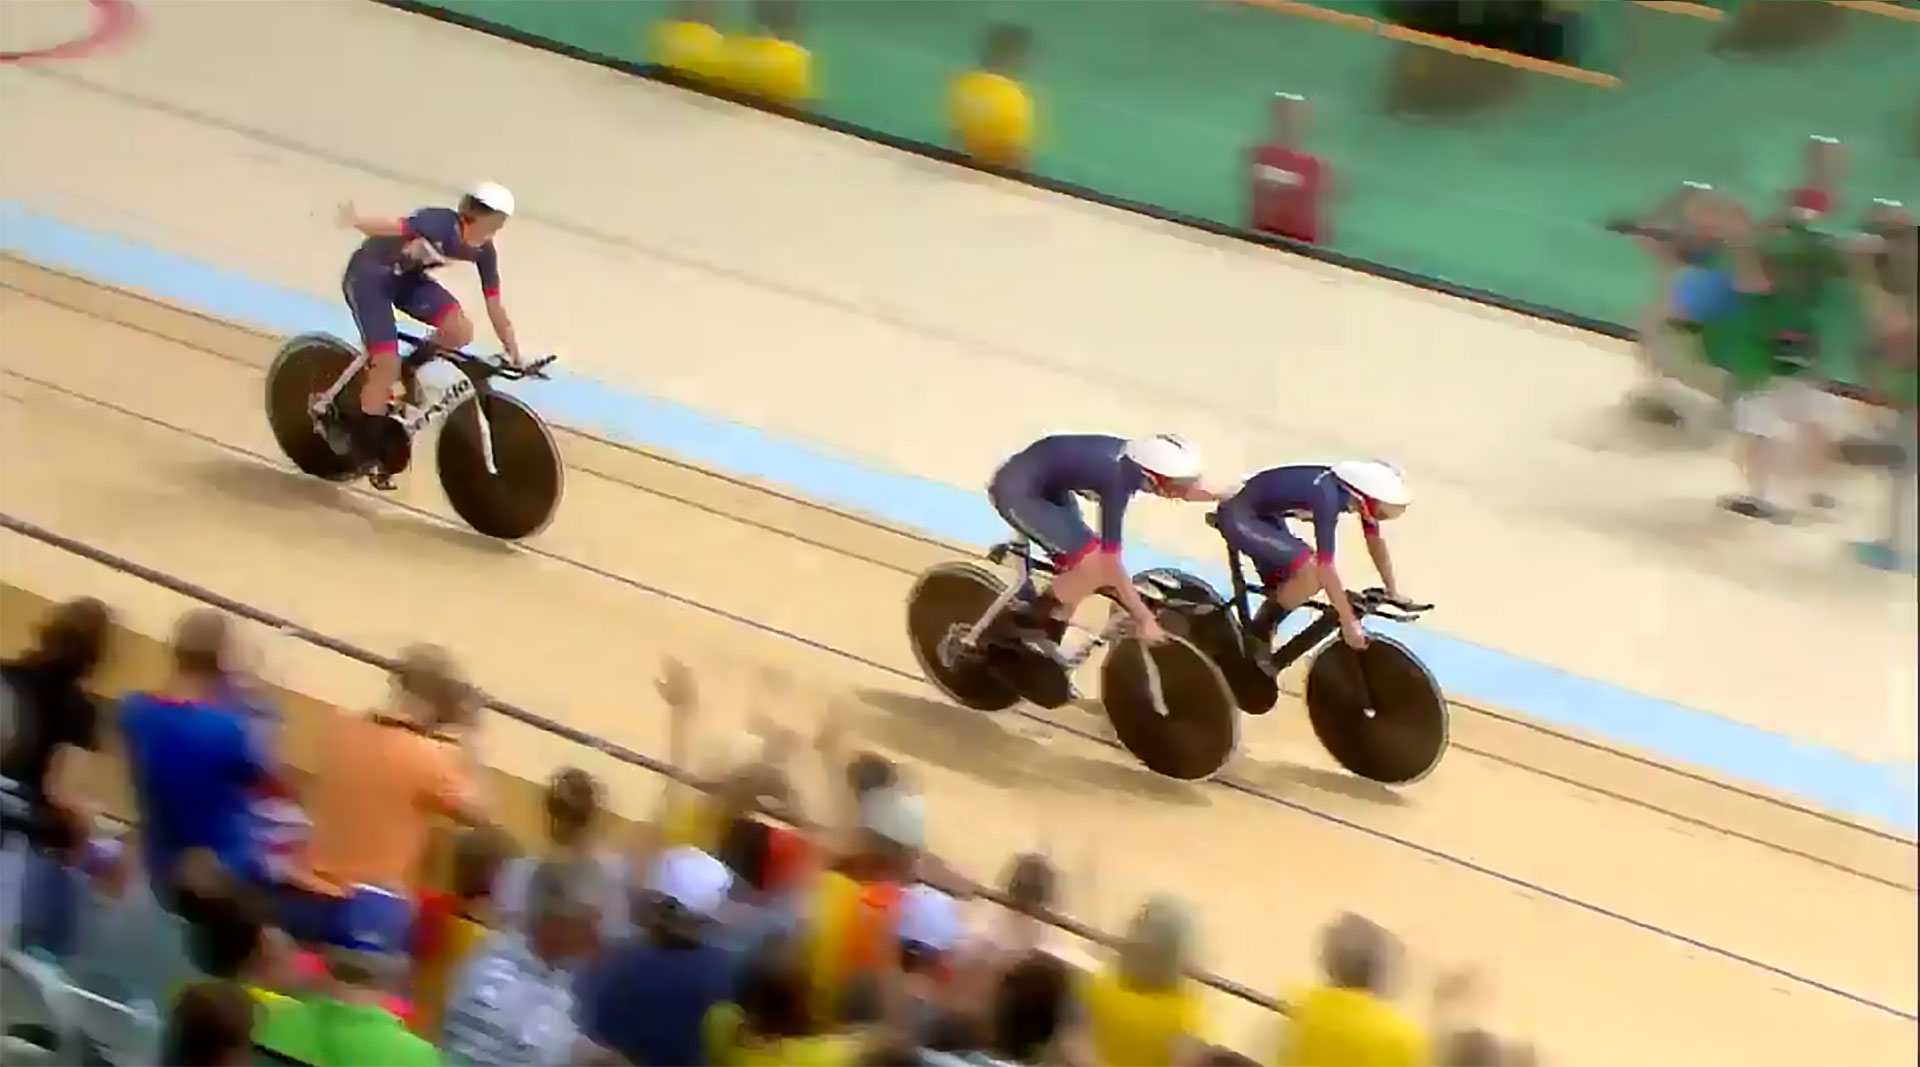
column 378, row 227
column 1326, row 525
column 1382, row 559
column 1114, row 576
column 488, row 263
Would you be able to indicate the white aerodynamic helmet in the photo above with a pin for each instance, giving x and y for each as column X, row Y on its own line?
column 1165, row 456
column 1375, row 479
column 492, row 195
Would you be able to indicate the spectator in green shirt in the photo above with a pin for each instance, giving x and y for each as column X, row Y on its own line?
column 346, row 1024
column 1770, row 347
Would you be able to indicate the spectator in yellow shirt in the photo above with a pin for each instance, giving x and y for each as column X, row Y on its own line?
column 988, row 110
column 688, row 44
column 769, row 63
column 1348, row 1021
column 1143, row 1010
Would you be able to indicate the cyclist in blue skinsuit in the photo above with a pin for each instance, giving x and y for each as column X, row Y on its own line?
column 1034, row 492
column 1253, row 519
column 389, row 271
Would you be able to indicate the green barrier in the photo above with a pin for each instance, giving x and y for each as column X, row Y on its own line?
column 1157, row 101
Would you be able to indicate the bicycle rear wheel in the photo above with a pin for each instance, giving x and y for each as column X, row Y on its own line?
column 305, row 367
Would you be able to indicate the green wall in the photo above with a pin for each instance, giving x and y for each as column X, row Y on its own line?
column 1157, row 101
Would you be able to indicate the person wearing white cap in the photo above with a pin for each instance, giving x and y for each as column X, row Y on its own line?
column 389, row 272
column 647, row 999
column 1253, row 521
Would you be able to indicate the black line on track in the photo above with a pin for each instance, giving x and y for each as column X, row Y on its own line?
column 1461, row 862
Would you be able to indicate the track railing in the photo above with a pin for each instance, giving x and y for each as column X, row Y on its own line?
column 519, row 714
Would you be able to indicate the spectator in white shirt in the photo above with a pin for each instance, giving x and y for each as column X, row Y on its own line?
column 514, row 1006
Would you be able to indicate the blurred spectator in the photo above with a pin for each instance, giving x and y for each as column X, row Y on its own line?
column 1142, row 1008
column 514, row 1005
column 1784, row 273
column 1887, row 269
column 1011, row 933
column 768, row 62
column 850, row 920
column 771, row 1023
column 1032, row 1013
column 50, row 727
column 1817, row 196
column 1686, row 237
column 451, row 924
column 769, row 865
column 650, row 998
column 575, row 820
column 1350, row 1018
column 211, row 1025
column 128, row 949
column 194, row 763
column 690, row 43
column 1288, row 185
column 379, row 781
column 988, row 110
column 347, row 1021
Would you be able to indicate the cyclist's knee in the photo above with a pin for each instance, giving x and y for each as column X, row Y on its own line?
column 453, row 329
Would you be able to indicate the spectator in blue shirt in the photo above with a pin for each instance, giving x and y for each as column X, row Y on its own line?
column 647, row 1000
column 194, row 762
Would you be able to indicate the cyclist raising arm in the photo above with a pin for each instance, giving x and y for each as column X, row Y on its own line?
column 389, row 271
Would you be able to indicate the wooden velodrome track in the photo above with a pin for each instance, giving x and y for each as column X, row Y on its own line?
column 1780, row 938
column 1628, row 912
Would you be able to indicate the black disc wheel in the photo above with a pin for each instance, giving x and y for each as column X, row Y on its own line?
column 1378, row 713
column 519, row 497
column 304, row 368
column 945, row 602
column 1170, row 707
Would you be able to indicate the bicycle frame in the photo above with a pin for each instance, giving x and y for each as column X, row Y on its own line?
column 1315, row 634
column 413, row 420
column 1024, row 567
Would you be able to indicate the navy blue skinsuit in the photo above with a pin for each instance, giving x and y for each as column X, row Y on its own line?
column 1034, row 492
column 1254, row 519
column 385, row 273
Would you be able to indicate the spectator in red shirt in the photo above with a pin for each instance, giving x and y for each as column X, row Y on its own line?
column 1815, row 196
column 1287, row 184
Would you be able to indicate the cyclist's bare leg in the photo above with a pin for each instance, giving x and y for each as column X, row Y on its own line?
column 1283, row 596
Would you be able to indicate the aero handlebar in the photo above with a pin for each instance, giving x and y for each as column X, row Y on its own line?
column 1378, row 602
column 495, row 367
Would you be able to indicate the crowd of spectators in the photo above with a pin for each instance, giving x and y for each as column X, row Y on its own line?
column 1769, row 308
column 250, row 913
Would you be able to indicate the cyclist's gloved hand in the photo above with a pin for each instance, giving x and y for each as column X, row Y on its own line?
column 1406, row 603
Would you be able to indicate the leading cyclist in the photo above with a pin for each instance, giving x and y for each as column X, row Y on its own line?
column 1034, row 492
column 1253, row 520
column 390, row 271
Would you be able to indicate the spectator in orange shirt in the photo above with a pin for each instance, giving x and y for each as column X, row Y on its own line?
column 1288, row 185
column 380, row 781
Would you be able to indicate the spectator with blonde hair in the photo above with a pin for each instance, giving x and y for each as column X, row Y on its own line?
column 1142, row 1008
column 1350, row 1017
column 379, row 782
